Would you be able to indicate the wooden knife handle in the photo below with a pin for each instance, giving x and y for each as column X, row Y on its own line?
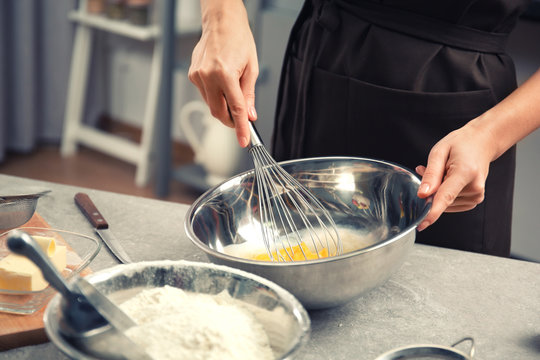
column 90, row 210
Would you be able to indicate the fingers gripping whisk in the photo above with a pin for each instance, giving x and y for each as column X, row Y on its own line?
column 295, row 226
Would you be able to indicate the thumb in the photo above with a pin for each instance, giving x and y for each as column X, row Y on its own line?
column 433, row 173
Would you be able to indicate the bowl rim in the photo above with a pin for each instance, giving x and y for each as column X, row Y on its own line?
column 208, row 250
column 299, row 311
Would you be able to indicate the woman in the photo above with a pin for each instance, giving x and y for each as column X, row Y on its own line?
column 406, row 82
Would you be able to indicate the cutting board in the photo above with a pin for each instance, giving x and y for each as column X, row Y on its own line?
column 22, row 330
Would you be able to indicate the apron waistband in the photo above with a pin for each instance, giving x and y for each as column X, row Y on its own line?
column 424, row 27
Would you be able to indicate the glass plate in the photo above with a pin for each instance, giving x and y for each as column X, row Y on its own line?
column 81, row 250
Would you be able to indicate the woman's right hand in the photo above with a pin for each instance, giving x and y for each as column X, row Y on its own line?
column 224, row 65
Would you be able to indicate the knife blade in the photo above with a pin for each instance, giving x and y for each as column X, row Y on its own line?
column 101, row 226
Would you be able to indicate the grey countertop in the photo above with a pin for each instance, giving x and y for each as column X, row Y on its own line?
column 437, row 297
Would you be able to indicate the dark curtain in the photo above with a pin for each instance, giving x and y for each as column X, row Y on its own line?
column 35, row 50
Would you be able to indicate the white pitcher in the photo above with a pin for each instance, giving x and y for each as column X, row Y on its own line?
column 216, row 148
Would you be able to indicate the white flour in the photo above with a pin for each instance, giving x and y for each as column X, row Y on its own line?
column 173, row 324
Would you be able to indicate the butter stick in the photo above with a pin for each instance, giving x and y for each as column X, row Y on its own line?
column 20, row 274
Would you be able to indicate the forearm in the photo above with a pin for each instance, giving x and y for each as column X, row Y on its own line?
column 513, row 118
column 221, row 12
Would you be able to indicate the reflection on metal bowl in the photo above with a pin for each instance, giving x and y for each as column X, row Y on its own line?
column 374, row 200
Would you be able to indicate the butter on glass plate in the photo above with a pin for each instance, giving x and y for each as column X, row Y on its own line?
column 81, row 250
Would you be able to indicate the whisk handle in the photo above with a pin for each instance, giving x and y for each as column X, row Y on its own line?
column 255, row 138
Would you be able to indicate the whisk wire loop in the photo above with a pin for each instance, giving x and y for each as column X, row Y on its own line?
column 269, row 201
column 290, row 215
column 268, row 220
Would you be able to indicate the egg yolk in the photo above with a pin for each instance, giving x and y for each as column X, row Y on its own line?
column 298, row 253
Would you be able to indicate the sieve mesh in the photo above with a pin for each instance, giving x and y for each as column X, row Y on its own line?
column 17, row 212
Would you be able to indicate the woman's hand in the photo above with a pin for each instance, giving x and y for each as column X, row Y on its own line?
column 456, row 172
column 224, row 65
column 458, row 164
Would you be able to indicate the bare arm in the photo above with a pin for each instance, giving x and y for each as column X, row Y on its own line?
column 458, row 164
column 224, row 64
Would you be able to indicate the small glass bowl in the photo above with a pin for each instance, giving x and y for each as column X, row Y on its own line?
column 81, row 250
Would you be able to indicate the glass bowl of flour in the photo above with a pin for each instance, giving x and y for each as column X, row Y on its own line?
column 190, row 310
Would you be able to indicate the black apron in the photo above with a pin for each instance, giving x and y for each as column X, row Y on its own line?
column 387, row 81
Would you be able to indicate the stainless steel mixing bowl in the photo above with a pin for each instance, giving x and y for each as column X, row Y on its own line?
column 373, row 200
column 284, row 319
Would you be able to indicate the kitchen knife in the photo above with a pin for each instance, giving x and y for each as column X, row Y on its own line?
column 101, row 226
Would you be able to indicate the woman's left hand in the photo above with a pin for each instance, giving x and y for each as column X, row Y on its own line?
column 458, row 164
column 456, row 172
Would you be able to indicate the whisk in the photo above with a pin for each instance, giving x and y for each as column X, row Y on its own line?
column 294, row 223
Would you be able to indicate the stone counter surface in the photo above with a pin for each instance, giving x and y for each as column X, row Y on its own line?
column 437, row 297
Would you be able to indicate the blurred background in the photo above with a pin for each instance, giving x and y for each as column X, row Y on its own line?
column 95, row 93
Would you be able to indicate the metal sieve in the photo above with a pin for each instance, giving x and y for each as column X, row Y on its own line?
column 16, row 210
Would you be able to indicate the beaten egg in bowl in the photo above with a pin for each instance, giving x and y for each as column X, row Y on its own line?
column 295, row 250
